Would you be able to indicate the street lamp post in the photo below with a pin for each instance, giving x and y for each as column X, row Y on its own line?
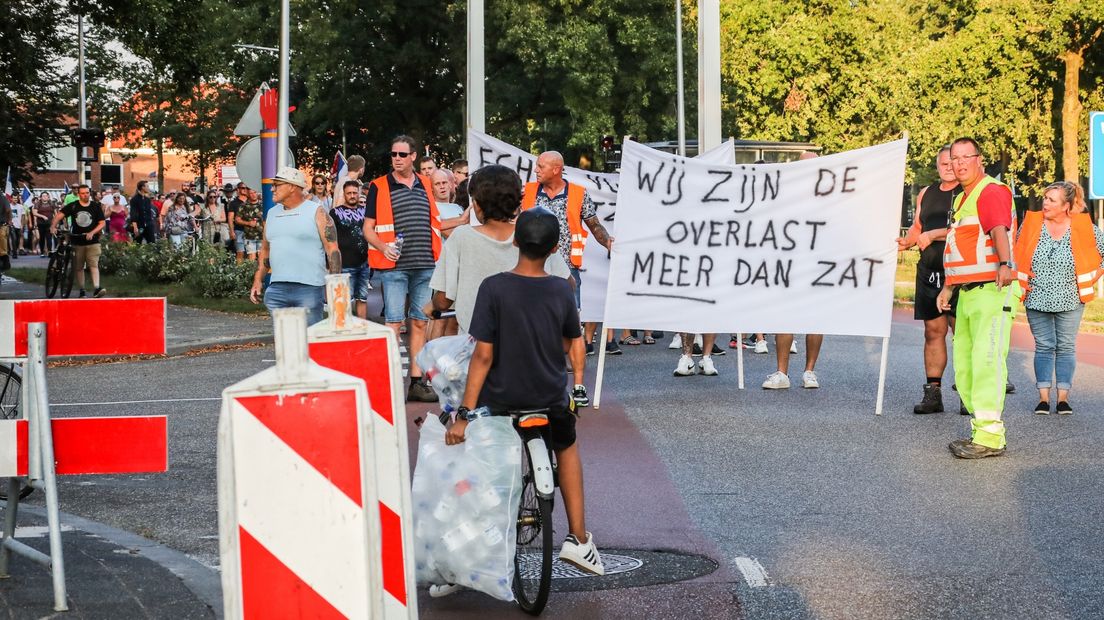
column 82, row 166
column 679, row 84
column 285, row 72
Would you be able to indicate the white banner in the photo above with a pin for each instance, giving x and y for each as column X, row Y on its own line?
column 801, row 247
column 483, row 150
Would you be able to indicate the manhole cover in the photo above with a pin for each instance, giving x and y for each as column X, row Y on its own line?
column 625, row 568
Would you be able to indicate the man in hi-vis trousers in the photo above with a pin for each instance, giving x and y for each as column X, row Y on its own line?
column 978, row 262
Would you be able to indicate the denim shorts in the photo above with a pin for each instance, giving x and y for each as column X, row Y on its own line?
column 296, row 295
column 358, row 281
column 239, row 240
column 575, row 275
column 398, row 284
column 252, row 246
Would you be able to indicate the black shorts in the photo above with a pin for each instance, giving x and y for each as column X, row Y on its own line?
column 560, row 432
column 929, row 283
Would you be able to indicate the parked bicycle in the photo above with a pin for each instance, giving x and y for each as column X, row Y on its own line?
column 60, row 271
column 11, row 395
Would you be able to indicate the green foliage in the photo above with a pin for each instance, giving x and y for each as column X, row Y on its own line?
column 211, row 272
column 215, row 273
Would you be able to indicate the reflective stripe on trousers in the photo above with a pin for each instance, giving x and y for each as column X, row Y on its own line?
column 981, row 337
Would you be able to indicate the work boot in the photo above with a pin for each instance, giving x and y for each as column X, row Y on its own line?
column 933, row 399
column 967, row 449
column 420, row 391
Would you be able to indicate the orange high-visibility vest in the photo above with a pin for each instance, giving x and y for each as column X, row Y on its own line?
column 969, row 255
column 575, row 194
column 385, row 222
column 1086, row 257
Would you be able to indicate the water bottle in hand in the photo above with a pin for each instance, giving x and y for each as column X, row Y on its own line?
column 397, row 245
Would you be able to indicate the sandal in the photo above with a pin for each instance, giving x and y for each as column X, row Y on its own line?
column 649, row 340
column 630, row 341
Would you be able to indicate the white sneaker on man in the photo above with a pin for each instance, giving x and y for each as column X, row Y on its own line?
column 761, row 346
column 793, row 347
column 585, row 556
column 707, row 367
column 685, row 366
column 809, row 379
column 777, row 381
column 676, row 342
column 436, row 591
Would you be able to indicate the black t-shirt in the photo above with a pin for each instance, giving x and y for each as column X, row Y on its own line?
column 935, row 212
column 232, row 210
column 350, row 235
column 526, row 319
column 84, row 218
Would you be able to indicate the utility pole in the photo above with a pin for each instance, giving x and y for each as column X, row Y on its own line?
column 82, row 166
column 285, row 84
column 709, row 74
column 681, row 96
column 476, row 99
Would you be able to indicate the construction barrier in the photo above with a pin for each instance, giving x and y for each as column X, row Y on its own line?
column 370, row 351
column 299, row 522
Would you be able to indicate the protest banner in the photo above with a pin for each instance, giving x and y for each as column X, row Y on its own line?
column 484, row 150
column 800, row 247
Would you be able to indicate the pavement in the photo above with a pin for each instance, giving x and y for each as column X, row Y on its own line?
column 753, row 503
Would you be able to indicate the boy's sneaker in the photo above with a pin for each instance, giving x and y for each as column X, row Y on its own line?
column 579, row 395
column 777, row 381
column 717, row 350
column 707, row 367
column 761, row 346
column 445, row 590
column 809, row 379
column 1064, row 408
column 1043, row 408
column 421, row 392
column 685, row 366
column 696, row 351
column 612, row 348
column 99, row 292
column 584, row 556
column 676, row 342
column 590, row 348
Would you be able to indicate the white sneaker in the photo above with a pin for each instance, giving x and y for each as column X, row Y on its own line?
column 793, row 347
column 676, row 342
column 445, row 590
column 761, row 346
column 810, row 379
column 584, row 556
column 685, row 366
column 707, row 367
column 777, row 381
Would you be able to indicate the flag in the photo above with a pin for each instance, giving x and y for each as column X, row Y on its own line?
column 339, row 169
column 26, row 195
column 65, row 190
column 8, row 191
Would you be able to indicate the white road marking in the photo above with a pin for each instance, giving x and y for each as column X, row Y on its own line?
column 36, row 531
column 754, row 573
column 138, row 402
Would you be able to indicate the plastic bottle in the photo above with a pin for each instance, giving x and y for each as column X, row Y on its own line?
column 397, row 245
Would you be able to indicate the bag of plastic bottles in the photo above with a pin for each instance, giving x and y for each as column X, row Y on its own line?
column 445, row 364
column 465, row 506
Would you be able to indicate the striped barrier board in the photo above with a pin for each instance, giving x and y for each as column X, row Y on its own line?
column 119, row 445
column 76, row 326
column 370, row 352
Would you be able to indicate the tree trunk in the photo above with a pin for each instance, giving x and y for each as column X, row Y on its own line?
column 160, row 165
column 1071, row 114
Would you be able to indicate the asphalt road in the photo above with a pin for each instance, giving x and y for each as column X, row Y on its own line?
column 849, row 515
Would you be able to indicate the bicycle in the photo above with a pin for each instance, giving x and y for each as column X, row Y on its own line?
column 11, row 394
column 59, row 271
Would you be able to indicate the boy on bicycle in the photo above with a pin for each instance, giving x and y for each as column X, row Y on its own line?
column 523, row 322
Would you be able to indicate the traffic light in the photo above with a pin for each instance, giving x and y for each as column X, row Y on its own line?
column 607, row 143
column 88, row 142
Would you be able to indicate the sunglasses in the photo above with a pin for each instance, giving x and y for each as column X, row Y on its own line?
column 400, row 154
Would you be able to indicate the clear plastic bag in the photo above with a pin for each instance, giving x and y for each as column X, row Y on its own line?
column 465, row 506
column 445, row 364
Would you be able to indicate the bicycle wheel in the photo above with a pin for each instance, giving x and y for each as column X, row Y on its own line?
column 67, row 272
column 533, row 556
column 11, row 394
column 53, row 275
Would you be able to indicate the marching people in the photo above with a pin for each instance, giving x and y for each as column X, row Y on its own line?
column 573, row 207
column 928, row 232
column 319, row 193
column 248, row 221
column 237, row 233
column 452, row 214
column 1058, row 260
column 299, row 246
column 142, row 214
column 88, row 220
column 685, row 366
column 43, row 213
column 117, row 219
column 978, row 264
column 348, row 221
column 403, row 230
column 427, row 166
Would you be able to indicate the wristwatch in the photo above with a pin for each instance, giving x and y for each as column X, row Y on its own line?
column 1006, row 263
column 462, row 413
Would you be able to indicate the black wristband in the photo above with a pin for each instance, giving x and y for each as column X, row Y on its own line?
column 462, row 413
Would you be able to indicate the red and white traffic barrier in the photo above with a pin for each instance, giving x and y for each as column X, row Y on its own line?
column 370, row 351
column 76, row 326
column 298, row 518
column 116, row 445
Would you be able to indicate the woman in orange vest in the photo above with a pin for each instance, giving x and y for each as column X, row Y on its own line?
column 1058, row 256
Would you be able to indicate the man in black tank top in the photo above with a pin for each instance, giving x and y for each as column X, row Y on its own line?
column 929, row 233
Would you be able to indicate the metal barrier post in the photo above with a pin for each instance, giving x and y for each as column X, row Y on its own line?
column 36, row 364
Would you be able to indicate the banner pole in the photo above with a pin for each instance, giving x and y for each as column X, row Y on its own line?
column 601, row 367
column 882, row 375
column 740, row 359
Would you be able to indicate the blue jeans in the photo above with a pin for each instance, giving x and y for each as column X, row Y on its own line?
column 296, row 295
column 1055, row 336
column 397, row 285
column 578, row 285
column 358, row 281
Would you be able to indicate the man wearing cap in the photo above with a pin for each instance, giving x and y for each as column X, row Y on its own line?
column 299, row 247
column 403, row 230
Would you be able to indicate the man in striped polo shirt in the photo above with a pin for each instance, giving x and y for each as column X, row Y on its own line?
column 400, row 206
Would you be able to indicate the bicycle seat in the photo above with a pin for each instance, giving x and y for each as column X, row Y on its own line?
column 531, row 418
